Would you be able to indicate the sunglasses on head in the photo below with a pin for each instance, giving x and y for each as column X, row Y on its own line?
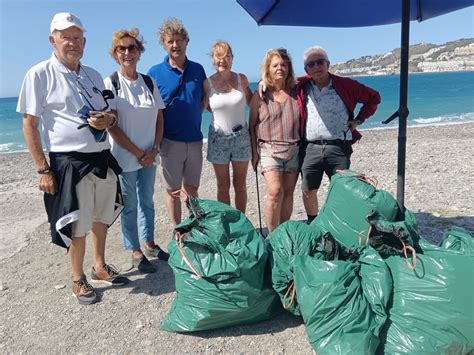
column 314, row 63
column 131, row 48
column 279, row 50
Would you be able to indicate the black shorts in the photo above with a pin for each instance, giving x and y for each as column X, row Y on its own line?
column 317, row 159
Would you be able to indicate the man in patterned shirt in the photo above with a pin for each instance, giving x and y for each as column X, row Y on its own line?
column 328, row 124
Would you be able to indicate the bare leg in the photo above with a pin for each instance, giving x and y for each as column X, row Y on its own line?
column 191, row 190
column 289, row 183
column 310, row 201
column 77, row 251
column 173, row 205
column 274, row 198
column 239, row 171
column 223, row 182
column 99, row 234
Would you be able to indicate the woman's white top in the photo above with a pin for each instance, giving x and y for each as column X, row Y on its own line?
column 137, row 109
column 228, row 109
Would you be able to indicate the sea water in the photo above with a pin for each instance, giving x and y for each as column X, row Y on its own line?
column 433, row 99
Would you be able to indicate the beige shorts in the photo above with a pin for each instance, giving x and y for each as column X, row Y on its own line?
column 270, row 163
column 181, row 163
column 96, row 198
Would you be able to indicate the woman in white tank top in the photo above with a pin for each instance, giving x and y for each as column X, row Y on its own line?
column 228, row 139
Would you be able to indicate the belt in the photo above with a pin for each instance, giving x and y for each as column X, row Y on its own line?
column 329, row 141
column 278, row 142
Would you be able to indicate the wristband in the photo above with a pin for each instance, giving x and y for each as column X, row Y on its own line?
column 44, row 171
column 156, row 147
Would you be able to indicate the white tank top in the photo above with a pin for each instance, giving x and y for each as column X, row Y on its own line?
column 228, row 109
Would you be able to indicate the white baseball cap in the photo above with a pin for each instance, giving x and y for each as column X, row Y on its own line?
column 64, row 20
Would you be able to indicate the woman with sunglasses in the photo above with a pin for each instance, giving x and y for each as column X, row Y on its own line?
column 135, row 144
column 275, row 135
column 228, row 139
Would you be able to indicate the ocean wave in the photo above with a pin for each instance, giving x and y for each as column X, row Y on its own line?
column 12, row 148
column 443, row 120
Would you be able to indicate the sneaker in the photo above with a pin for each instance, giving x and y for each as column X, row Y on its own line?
column 143, row 265
column 83, row 291
column 156, row 252
column 109, row 276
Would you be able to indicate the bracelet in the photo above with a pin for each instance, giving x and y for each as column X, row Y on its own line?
column 44, row 171
column 156, row 147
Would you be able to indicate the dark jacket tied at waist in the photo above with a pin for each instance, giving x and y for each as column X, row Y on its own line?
column 63, row 207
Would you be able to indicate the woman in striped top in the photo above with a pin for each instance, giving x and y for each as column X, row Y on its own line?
column 274, row 132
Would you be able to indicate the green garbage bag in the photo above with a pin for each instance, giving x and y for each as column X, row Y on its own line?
column 219, row 262
column 284, row 243
column 351, row 198
column 343, row 302
column 393, row 237
column 459, row 239
column 432, row 308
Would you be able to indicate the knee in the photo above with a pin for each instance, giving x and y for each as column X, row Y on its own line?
column 310, row 194
column 223, row 186
column 275, row 192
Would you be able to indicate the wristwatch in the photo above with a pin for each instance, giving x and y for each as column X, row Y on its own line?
column 44, row 171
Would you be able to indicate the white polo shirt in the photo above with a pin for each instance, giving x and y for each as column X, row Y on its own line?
column 53, row 93
column 137, row 110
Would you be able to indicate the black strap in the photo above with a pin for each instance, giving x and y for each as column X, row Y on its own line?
column 116, row 82
column 178, row 88
column 148, row 82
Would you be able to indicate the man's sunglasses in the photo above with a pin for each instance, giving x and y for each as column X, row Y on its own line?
column 133, row 48
column 317, row 62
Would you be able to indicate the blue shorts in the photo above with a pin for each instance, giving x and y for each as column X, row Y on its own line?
column 222, row 149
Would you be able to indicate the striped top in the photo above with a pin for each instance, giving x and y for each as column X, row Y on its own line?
column 279, row 122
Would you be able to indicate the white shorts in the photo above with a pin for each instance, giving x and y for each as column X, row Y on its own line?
column 96, row 199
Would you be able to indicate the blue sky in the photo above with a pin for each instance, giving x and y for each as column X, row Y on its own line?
column 24, row 27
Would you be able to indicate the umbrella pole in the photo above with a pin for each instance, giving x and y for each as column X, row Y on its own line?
column 403, row 108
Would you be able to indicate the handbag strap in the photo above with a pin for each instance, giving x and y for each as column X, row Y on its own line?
column 178, row 88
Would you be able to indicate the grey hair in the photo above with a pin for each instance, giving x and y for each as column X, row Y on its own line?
column 313, row 50
column 171, row 27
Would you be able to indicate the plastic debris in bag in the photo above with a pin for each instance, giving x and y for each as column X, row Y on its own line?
column 219, row 262
column 352, row 197
column 343, row 302
column 459, row 239
column 287, row 241
column 432, row 307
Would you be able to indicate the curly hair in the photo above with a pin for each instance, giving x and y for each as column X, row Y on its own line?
column 290, row 81
column 171, row 27
column 120, row 34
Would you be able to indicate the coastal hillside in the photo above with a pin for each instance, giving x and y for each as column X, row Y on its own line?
column 424, row 58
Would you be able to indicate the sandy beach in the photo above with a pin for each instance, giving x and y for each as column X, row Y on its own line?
column 39, row 315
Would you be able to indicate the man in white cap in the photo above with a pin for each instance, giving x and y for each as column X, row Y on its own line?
column 80, row 180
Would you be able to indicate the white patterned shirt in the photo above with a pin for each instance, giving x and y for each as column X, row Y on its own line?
column 327, row 114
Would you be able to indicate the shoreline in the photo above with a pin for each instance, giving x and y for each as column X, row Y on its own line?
column 361, row 129
column 40, row 315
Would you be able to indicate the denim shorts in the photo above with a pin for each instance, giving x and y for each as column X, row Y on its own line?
column 270, row 163
column 222, row 149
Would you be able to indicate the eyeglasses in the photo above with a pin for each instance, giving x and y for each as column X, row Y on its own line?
column 133, row 48
column 317, row 62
